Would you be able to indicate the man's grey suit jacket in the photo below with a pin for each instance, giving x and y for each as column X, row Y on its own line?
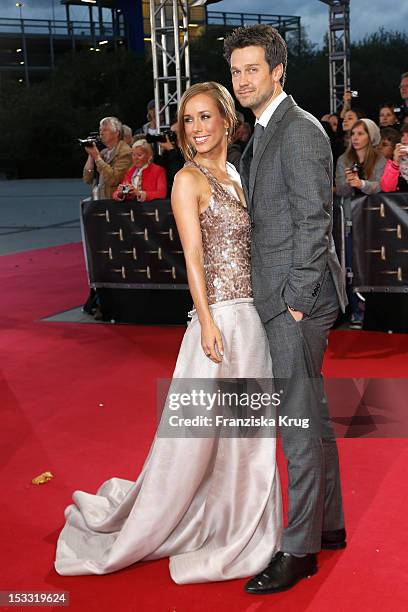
column 288, row 186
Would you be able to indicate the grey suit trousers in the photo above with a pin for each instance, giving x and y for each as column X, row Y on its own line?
column 297, row 350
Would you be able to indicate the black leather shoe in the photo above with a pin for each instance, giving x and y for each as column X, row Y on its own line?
column 283, row 572
column 334, row 540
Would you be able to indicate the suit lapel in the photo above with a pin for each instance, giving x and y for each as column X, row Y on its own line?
column 270, row 130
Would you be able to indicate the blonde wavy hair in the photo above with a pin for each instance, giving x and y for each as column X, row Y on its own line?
column 225, row 105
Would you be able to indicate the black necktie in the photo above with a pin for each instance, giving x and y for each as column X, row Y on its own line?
column 258, row 133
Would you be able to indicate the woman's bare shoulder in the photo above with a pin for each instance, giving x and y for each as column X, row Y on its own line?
column 189, row 181
column 189, row 176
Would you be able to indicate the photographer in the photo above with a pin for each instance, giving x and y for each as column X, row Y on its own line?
column 358, row 171
column 170, row 158
column 144, row 181
column 395, row 177
column 105, row 169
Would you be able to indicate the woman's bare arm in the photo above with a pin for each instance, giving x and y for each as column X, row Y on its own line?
column 189, row 189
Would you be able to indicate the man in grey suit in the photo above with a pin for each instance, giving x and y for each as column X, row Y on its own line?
column 298, row 287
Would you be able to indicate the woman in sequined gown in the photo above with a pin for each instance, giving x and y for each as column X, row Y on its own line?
column 211, row 504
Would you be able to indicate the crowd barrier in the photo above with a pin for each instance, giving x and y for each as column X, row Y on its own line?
column 132, row 245
column 135, row 261
column 380, row 243
column 135, row 246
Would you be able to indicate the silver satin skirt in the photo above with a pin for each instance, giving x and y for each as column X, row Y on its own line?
column 212, row 504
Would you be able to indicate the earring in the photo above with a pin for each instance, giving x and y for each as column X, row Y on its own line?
column 226, row 133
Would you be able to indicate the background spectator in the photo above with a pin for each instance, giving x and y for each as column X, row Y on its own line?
column 365, row 137
column 243, row 134
column 404, row 89
column 350, row 117
column 127, row 135
column 239, row 141
column 395, row 176
column 144, row 181
column 170, row 158
column 331, row 124
column 150, row 127
column 358, row 170
column 387, row 117
column 105, row 169
column 333, row 120
column 390, row 137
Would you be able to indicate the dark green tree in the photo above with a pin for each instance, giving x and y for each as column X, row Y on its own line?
column 41, row 124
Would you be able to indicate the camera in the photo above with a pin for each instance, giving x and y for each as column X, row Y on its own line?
column 354, row 94
column 162, row 137
column 90, row 140
column 126, row 189
column 401, row 112
column 357, row 169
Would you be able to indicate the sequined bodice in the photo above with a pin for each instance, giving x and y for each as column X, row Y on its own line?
column 225, row 229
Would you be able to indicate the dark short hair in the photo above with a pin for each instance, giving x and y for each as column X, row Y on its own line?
column 404, row 129
column 259, row 35
column 391, row 134
column 386, row 105
column 357, row 111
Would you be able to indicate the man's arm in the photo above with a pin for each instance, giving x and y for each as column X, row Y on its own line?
column 307, row 171
column 88, row 172
column 113, row 174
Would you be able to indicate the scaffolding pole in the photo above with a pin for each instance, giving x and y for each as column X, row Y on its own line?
column 170, row 55
column 339, row 51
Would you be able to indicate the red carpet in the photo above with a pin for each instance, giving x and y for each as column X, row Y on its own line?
column 79, row 400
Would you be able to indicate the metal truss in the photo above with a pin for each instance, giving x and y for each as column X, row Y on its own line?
column 170, row 55
column 339, row 51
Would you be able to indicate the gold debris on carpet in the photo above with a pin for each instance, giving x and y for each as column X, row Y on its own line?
column 42, row 478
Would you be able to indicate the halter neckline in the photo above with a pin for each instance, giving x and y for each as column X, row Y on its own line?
column 206, row 170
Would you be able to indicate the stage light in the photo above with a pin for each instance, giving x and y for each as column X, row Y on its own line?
column 18, row 50
column 21, row 63
column 193, row 25
column 20, row 80
column 89, row 1
column 20, row 5
column 103, row 42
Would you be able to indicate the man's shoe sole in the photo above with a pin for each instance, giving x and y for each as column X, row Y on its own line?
column 279, row 590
